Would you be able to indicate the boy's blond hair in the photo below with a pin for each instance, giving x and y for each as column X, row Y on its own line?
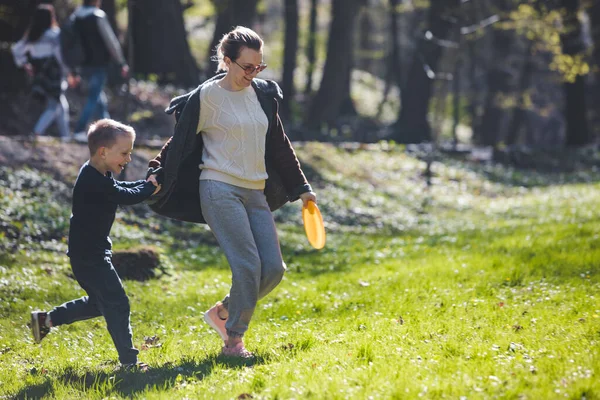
column 104, row 133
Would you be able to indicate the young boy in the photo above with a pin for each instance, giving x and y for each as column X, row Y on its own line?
column 95, row 198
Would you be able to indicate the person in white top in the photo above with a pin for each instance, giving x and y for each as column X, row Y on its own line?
column 238, row 137
column 39, row 53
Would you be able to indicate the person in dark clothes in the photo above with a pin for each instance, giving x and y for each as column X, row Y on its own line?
column 100, row 48
column 96, row 195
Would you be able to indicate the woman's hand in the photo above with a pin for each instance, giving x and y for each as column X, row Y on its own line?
column 308, row 196
column 152, row 178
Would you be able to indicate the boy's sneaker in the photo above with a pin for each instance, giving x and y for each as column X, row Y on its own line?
column 217, row 323
column 38, row 325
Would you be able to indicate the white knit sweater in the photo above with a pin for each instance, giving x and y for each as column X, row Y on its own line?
column 234, row 128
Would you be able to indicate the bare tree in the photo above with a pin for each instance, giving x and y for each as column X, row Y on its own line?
column 501, row 79
column 310, row 47
column 159, row 41
column 394, row 67
column 519, row 120
column 334, row 91
column 230, row 13
column 578, row 132
column 594, row 15
column 14, row 19
column 412, row 125
column 289, row 55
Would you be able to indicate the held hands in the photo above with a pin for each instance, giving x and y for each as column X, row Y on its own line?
column 152, row 178
column 308, row 196
column 125, row 71
column 73, row 80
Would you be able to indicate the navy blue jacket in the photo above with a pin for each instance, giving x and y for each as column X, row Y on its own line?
column 95, row 201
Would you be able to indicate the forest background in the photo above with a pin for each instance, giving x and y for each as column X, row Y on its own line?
column 499, row 75
column 453, row 145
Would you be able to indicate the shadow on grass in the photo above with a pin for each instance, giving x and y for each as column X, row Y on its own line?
column 36, row 391
column 127, row 384
column 537, row 168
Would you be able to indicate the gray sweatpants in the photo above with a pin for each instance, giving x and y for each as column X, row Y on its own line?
column 244, row 227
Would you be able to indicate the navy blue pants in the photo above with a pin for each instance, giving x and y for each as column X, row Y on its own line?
column 105, row 297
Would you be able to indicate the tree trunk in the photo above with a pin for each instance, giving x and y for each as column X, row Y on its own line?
column 578, row 133
column 500, row 82
column 230, row 13
column 366, row 42
column 310, row 47
column 594, row 15
column 394, row 66
column 334, row 92
column 160, row 43
column 519, row 116
column 12, row 78
column 289, row 55
column 456, row 97
column 14, row 20
column 412, row 125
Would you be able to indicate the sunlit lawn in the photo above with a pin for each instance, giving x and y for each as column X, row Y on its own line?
column 488, row 296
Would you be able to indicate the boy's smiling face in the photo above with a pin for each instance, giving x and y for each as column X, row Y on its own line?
column 115, row 157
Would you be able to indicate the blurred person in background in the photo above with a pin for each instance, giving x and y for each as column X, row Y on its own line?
column 100, row 47
column 39, row 53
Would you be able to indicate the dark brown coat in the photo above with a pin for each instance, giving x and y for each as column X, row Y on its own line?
column 179, row 158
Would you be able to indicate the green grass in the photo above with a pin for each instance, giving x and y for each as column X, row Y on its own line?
column 478, row 288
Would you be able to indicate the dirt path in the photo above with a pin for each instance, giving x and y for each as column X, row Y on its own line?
column 63, row 160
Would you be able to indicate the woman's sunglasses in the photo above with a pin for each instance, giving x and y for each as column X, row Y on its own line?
column 252, row 69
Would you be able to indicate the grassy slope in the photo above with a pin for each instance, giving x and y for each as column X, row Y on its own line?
column 484, row 286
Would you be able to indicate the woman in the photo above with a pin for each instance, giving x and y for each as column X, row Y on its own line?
column 229, row 130
column 39, row 53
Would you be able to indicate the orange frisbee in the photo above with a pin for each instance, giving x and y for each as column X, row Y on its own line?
column 313, row 225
